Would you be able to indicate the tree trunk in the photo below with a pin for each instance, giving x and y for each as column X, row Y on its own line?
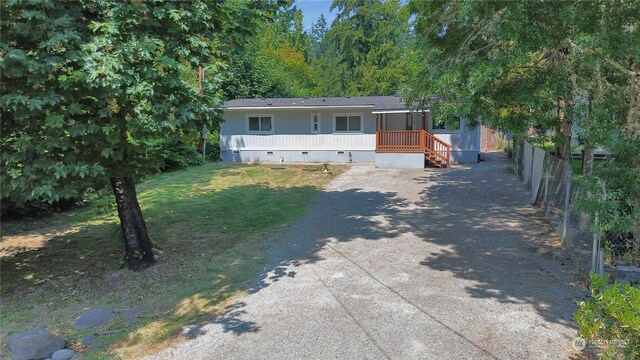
column 565, row 130
column 587, row 159
column 633, row 132
column 137, row 245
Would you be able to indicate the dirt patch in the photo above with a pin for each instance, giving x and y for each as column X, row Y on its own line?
column 29, row 236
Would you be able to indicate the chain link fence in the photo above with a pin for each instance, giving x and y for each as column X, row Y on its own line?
column 555, row 192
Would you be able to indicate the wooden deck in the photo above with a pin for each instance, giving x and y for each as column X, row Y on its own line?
column 436, row 151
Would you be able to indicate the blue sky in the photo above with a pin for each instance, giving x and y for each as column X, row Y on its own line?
column 311, row 10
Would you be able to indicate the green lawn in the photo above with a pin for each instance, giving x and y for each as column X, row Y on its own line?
column 215, row 224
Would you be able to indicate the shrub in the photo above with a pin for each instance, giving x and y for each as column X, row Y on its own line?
column 35, row 208
column 213, row 146
column 174, row 155
column 610, row 318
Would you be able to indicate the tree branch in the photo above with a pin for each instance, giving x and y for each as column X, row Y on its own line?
column 620, row 67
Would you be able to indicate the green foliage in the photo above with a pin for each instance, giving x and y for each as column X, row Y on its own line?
column 366, row 50
column 215, row 239
column 86, row 84
column 610, row 318
column 494, row 60
column 509, row 63
column 175, row 155
column 213, row 146
column 274, row 62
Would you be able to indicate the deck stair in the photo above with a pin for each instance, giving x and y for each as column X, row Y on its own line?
column 437, row 153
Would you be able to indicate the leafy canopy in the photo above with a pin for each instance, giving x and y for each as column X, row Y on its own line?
column 88, row 84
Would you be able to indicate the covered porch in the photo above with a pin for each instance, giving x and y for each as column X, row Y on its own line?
column 406, row 133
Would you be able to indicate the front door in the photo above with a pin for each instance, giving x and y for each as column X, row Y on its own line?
column 409, row 121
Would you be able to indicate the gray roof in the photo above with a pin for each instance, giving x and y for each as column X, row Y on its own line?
column 376, row 102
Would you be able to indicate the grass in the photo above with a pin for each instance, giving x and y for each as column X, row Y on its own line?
column 576, row 165
column 215, row 224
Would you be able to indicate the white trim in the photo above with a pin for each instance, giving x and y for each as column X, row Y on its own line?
column 299, row 142
column 314, row 114
column 297, row 107
column 361, row 131
column 273, row 123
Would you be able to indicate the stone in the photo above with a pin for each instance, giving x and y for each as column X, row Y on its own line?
column 89, row 340
column 93, row 317
column 63, row 354
column 133, row 313
column 628, row 273
column 34, row 344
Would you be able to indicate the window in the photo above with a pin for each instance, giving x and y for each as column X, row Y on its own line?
column 444, row 125
column 348, row 123
column 315, row 123
column 260, row 123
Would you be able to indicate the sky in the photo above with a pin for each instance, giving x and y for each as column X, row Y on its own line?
column 311, row 10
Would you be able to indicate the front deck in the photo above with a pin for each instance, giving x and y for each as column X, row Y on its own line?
column 436, row 151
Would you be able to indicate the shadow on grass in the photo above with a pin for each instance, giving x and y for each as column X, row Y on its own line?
column 215, row 243
column 479, row 218
column 222, row 243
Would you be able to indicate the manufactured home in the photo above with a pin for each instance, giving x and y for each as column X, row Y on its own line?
column 381, row 130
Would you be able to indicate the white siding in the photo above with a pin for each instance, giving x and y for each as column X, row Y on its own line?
column 298, row 142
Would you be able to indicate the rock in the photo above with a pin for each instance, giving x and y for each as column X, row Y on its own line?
column 89, row 340
column 628, row 273
column 93, row 317
column 63, row 354
column 34, row 344
column 133, row 313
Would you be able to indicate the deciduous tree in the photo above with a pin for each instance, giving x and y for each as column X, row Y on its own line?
column 87, row 84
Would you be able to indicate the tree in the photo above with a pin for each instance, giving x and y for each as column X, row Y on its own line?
column 87, row 85
column 614, row 53
column 319, row 30
column 278, row 57
column 548, row 66
column 505, row 62
column 366, row 49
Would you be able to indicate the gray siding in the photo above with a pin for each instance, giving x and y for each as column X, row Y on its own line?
column 293, row 121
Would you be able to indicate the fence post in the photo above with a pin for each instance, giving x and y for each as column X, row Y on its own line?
column 601, row 262
column 567, row 210
column 533, row 151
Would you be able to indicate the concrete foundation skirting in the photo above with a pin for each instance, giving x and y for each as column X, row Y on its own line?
column 295, row 156
column 464, row 157
column 382, row 160
column 400, row 160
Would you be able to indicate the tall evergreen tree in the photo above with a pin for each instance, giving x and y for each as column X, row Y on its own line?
column 366, row 49
column 319, row 30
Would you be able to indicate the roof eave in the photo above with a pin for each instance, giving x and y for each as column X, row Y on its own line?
column 296, row 107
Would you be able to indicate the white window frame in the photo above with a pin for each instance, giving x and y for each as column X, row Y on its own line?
column 273, row 123
column 319, row 123
column 460, row 129
column 361, row 131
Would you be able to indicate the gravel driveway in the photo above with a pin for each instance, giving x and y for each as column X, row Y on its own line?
column 404, row 264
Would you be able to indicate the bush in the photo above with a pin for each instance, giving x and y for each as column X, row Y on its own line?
column 213, row 146
column 610, row 318
column 175, row 155
column 35, row 208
